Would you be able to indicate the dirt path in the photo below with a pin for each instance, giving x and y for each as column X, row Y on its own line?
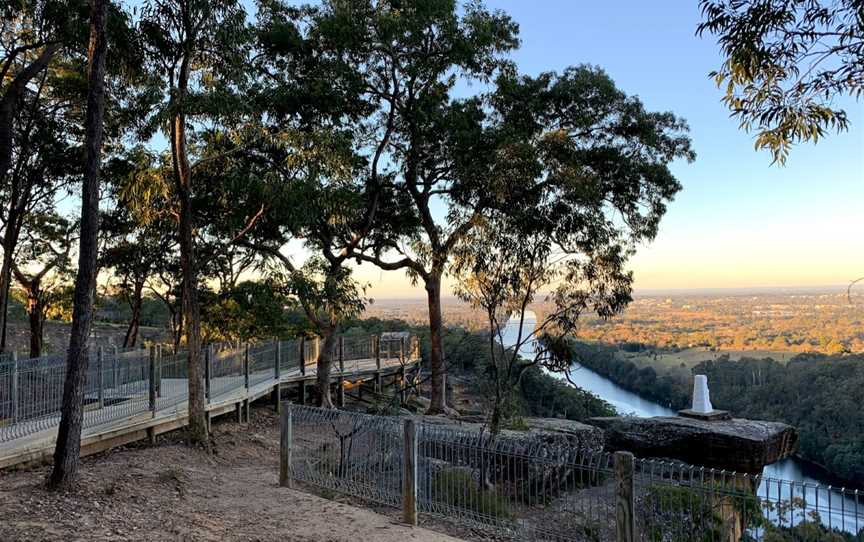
column 172, row 492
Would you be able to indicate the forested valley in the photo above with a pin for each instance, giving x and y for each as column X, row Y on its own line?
column 817, row 393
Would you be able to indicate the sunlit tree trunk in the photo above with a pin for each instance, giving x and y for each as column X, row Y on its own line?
column 325, row 365
column 436, row 351
column 191, row 309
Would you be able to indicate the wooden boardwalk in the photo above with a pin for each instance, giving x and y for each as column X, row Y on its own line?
column 127, row 413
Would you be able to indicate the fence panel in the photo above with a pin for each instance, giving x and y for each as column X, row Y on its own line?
column 530, row 488
column 117, row 381
column 262, row 362
column 679, row 502
column 226, row 371
column 351, row 453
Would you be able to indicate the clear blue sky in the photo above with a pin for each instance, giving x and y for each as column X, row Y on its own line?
column 739, row 221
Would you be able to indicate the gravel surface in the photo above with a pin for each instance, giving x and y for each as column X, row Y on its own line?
column 174, row 492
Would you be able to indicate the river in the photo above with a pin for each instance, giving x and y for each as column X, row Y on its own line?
column 631, row 404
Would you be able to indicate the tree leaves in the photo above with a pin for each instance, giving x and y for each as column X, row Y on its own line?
column 785, row 63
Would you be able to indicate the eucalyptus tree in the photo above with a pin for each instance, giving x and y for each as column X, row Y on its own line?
column 68, row 446
column 197, row 51
column 33, row 35
column 411, row 55
column 304, row 194
column 785, row 65
column 41, row 268
column 134, row 254
column 40, row 116
column 579, row 178
column 296, row 174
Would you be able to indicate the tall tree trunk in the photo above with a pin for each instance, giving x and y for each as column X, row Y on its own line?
column 191, row 310
column 10, row 241
column 68, row 449
column 35, row 315
column 131, row 337
column 325, row 364
column 436, row 352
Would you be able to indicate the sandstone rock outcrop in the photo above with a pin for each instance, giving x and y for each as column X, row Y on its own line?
column 736, row 444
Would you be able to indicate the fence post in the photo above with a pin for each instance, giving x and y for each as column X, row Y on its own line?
column 152, row 379
column 114, row 368
column 158, row 370
column 14, row 385
column 302, row 370
column 100, row 379
column 303, row 356
column 286, row 442
column 246, row 366
column 625, row 517
column 340, row 393
column 409, row 474
column 277, row 390
column 402, row 370
column 376, row 340
column 246, row 403
column 208, row 371
column 277, row 369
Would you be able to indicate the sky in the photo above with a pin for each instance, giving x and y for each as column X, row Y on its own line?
column 739, row 222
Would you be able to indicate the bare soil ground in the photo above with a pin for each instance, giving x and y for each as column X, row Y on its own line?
column 173, row 492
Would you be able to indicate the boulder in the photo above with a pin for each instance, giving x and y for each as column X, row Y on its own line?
column 535, row 460
column 550, row 431
column 735, row 444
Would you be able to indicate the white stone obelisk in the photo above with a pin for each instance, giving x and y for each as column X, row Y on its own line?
column 701, row 396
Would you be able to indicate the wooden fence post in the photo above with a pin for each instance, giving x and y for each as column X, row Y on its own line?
column 13, row 392
column 409, row 473
column 286, row 442
column 625, row 517
column 100, row 378
column 340, row 393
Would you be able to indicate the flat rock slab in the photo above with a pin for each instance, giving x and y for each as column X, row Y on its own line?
column 549, row 430
column 735, row 444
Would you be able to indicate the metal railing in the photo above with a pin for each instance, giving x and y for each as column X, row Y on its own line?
column 126, row 384
column 532, row 488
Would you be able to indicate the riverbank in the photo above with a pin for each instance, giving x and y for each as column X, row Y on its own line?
column 780, row 395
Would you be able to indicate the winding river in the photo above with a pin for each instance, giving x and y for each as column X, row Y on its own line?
column 802, row 474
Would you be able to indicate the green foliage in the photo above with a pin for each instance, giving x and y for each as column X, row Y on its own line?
column 545, row 396
column 250, row 311
column 602, row 359
column 669, row 510
column 807, row 531
column 458, row 488
column 785, row 65
column 817, row 394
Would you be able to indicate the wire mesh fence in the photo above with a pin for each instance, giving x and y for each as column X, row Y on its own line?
column 540, row 489
column 676, row 501
column 118, row 382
